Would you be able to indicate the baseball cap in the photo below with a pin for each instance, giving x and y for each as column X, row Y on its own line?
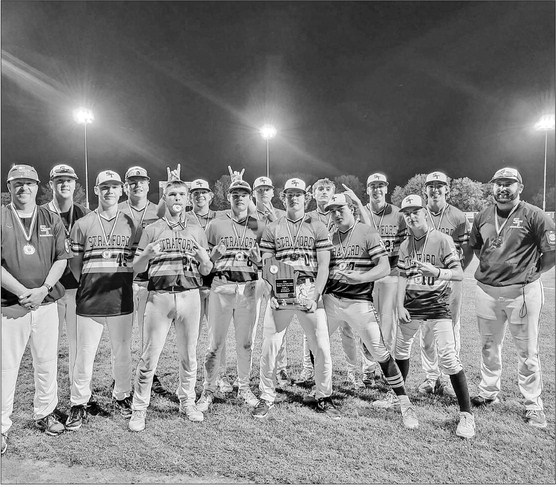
column 295, row 183
column 436, row 177
column 23, row 171
column 507, row 173
column 377, row 177
column 62, row 170
column 108, row 177
column 262, row 181
column 239, row 185
column 411, row 202
column 136, row 172
column 199, row 184
column 338, row 200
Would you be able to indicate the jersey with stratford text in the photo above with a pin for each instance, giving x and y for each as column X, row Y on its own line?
column 176, row 267
column 239, row 237
column 453, row 222
column 357, row 249
column 427, row 298
column 297, row 242
column 105, row 285
column 31, row 269
column 513, row 257
column 391, row 226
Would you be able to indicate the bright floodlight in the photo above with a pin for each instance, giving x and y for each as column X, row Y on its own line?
column 547, row 122
column 268, row 132
column 83, row 116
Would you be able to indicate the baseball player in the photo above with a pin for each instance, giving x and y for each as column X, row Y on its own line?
column 142, row 212
column 515, row 243
column 34, row 255
column 302, row 241
column 359, row 259
column 448, row 219
column 233, row 240
column 103, row 246
column 173, row 251
column 428, row 260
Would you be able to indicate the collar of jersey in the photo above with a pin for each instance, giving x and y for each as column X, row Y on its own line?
column 438, row 213
column 295, row 221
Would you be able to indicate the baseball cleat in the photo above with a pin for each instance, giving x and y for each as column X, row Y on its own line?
column 427, row 387
column 50, row 425
column 4, row 443
column 466, row 426
column 248, row 397
column 192, row 412
column 325, row 405
column 410, row 419
column 137, row 421
column 479, row 401
column 536, row 418
column 205, row 400
column 353, row 381
column 444, row 388
column 368, row 379
column 390, row 401
column 157, row 387
column 77, row 416
column 125, row 406
column 94, row 409
column 262, row 409
column 307, row 375
column 224, row 385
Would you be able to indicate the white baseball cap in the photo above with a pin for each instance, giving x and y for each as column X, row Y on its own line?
column 262, row 181
column 108, row 176
column 377, row 177
column 23, row 171
column 340, row 199
column 239, row 184
column 410, row 202
column 199, row 184
column 136, row 172
column 507, row 173
column 437, row 177
column 295, row 183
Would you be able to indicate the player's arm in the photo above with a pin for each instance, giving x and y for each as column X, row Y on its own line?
column 11, row 284
column 323, row 257
column 548, row 261
column 381, row 269
column 475, row 238
column 404, row 315
column 202, row 256
column 34, row 297
column 363, row 214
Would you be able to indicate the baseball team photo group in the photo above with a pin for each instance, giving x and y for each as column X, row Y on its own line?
column 278, row 324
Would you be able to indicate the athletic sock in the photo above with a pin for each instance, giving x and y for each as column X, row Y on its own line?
column 403, row 365
column 459, row 383
column 393, row 376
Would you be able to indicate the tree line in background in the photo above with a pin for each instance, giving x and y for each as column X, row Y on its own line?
column 466, row 194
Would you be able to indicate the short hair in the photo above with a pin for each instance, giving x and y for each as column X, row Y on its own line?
column 174, row 184
column 324, row 181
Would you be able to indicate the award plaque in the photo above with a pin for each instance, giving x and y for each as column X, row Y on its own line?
column 283, row 280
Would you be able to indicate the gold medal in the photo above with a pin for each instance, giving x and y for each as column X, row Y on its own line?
column 239, row 256
column 294, row 256
column 28, row 249
column 342, row 266
column 107, row 254
column 273, row 269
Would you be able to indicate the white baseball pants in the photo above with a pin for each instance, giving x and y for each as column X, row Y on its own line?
column 140, row 291
column 39, row 328
column 236, row 301
column 518, row 307
column 164, row 308
column 67, row 315
column 89, row 333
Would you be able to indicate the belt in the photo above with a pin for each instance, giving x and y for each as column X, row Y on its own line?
column 174, row 289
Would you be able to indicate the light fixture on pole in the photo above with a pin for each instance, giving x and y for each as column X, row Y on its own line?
column 84, row 116
column 267, row 132
column 546, row 123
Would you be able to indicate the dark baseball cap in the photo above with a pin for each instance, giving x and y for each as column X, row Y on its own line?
column 23, row 171
column 507, row 173
column 240, row 185
column 63, row 171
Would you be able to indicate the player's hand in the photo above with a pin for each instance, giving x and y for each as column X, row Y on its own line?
column 311, row 305
column 173, row 174
column 32, row 298
column 200, row 252
column 254, row 255
column 273, row 303
column 235, row 175
column 404, row 315
column 152, row 250
column 350, row 193
column 218, row 251
column 426, row 269
column 351, row 277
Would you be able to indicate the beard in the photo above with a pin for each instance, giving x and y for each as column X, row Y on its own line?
column 506, row 195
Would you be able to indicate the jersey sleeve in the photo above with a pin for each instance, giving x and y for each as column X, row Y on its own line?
column 403, row 254
column 450, row 255
column 544, row 231
column 375, row 246
column 462, row 231
column 145, row 239
column 210, row 233
column 267, row 242
column 77, row 238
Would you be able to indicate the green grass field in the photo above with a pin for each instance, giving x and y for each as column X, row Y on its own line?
column 296, row 444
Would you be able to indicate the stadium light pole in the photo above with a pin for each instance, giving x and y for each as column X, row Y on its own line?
column 267, row 132
column 84, row 116
column 546, row 123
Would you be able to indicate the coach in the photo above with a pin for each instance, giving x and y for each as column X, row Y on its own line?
column 34, row 257
column 515, row 243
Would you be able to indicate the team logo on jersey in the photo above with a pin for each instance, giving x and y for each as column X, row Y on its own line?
column 45, row 231
column 516, row 223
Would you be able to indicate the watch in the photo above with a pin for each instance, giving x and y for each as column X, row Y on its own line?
column 48, row 286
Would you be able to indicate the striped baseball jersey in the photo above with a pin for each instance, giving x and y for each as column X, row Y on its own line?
column 105, row 285
column 357, row 249
column 203, row 220
column 325, row 217
column 262, row 215
column 297, row 242
column 453, row 222
column 427, row 298
column 513, row 256
column 239, row 237
column 176, row 267
column 68, row 219
column 47, row 243
column 391, row 226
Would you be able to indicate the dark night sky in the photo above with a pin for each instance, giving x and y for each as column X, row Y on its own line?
column 353, row 87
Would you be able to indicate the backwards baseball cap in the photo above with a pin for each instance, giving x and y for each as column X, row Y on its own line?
column 63, row 171
column 295, row 183
column 136, row 172
column 239, row 185
column 199, row 184
column 437, row 177
column 377, row 177
column 411, row 202
column 23, row 171
column 338, row 200
column 262, row 181
column 107, row 177
column 507, row 173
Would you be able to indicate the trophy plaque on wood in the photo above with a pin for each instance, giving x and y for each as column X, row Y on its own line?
column 283, row 279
